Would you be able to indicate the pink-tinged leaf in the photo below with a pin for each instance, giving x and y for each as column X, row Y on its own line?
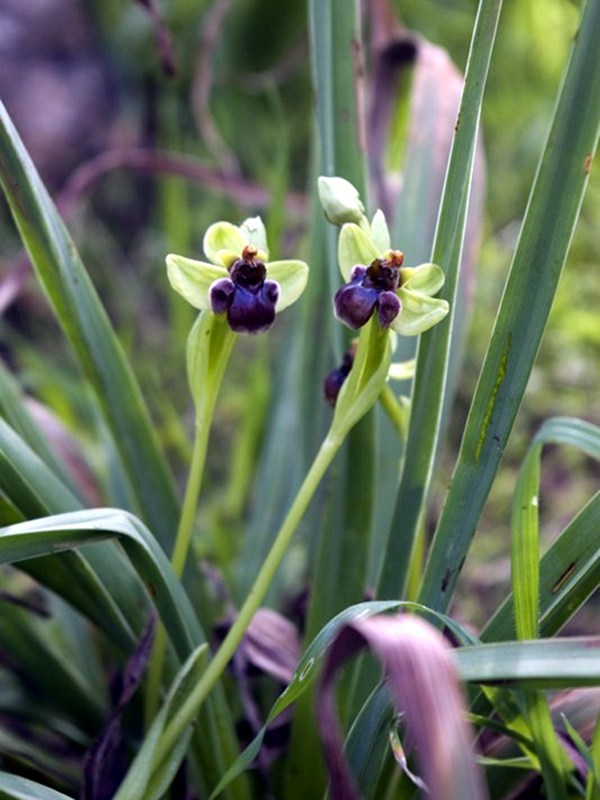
column 421, row 674
column 272, row 645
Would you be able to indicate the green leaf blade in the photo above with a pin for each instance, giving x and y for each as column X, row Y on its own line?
column 433, row 354
column 541, row 251
column 87, row 326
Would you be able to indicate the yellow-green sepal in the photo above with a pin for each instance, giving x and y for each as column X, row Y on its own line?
column 380, row 233
column 426, row 279
column 291, row 276
column 418, row 313
column 254, row 230
column 192, row 279
column 355, row 246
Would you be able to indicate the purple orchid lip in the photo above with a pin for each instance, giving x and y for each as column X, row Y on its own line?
column 246, row 296
column 371, row 288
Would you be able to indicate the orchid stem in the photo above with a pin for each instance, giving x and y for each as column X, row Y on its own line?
column 217, row 666
column 358, row 395
column 178, row 560
column 213, row 340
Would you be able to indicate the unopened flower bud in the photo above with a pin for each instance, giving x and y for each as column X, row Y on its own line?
column 341, row 201
column 335, row 379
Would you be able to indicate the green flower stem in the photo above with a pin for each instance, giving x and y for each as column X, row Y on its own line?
column 257, row 593
column 179, row 556
column 209, row 346
column 360, row 392
column 183, row 539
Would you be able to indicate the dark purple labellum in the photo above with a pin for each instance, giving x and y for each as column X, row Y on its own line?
column 246, row 296
column 370, row 288
column 253, row 312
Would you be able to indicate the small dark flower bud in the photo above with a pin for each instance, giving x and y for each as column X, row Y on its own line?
column 333, row 384
column 335, row 379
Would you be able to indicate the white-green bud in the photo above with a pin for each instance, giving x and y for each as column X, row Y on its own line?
column 341, row 201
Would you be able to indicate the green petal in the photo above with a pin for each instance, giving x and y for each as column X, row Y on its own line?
column 380, row 232
column 418, row 313
column 355, row 246
column 192, row 279
column 291, row 277
column 223, row 243
column 426, row 278
column 253, row 229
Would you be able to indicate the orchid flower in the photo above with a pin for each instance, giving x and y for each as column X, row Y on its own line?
column 239, row 282
column 378, row 282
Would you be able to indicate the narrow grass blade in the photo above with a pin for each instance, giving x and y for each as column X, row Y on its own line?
column 99, row 581
column 433, row 353
column 17, row 748
column 593, row 784
column 14, row 411
column 524, row 527
column 543, row 244
column 554, row 763
column 85, row 322
column 526, row 580
column 569, row 573
column 526, row 577
column 367, row 742
column 540, row 664
column 28, row 481
column 67, row 531
column 13, row 787
column 40, row 649
column 149, row 779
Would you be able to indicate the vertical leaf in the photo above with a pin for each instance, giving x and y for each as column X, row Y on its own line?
column 433, row 353
column 537, row 264
column 87, row 326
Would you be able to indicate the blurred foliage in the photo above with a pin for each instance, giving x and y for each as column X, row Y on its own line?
column 241, row 99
